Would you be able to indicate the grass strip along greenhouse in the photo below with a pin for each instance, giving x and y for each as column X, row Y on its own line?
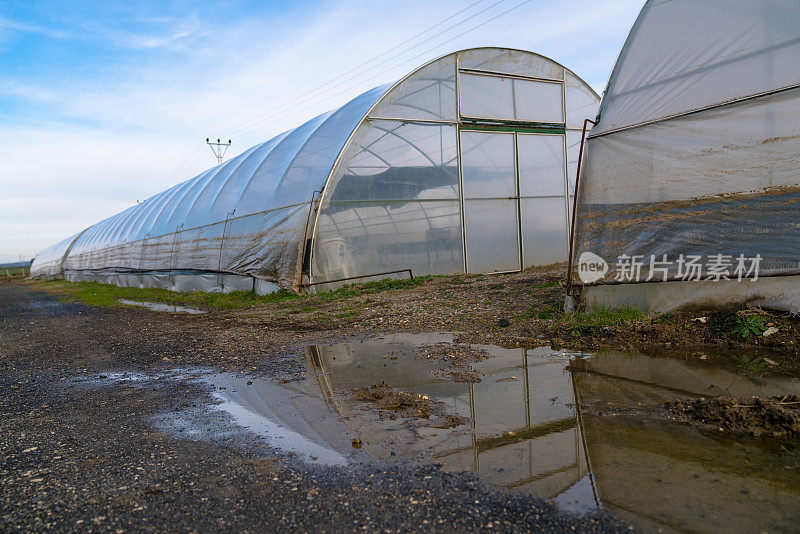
column 466, row 164
column 688, row 194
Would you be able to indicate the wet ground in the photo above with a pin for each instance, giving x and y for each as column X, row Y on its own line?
column 462, row 436
column 160, row 307
column 569, row 427
column 101, row 431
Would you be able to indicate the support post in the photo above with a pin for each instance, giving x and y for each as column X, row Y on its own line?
column 221, row 245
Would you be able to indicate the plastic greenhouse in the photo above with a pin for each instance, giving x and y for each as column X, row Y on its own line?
column 461, row 166
column 689, row 186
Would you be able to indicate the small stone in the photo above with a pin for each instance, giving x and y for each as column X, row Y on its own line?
column 769, row 331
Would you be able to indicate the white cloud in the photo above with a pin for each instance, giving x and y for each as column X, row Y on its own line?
column 100, row 144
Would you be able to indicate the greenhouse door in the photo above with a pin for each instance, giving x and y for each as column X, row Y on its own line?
column 514, row 194
column 491, row 201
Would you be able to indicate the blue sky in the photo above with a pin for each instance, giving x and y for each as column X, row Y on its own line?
column 106, row 103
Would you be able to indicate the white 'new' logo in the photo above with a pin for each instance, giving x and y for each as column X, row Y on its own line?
column 591, row 267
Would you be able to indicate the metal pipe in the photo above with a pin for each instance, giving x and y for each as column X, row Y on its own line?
column 499, row 74
column 222, row 244
column 575, row 206
column 698, row 110
column 410, row 274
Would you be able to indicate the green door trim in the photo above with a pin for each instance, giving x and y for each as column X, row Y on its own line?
column 539, row 128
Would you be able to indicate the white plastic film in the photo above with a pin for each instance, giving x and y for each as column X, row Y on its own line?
column 696, row 156
column 684, row 55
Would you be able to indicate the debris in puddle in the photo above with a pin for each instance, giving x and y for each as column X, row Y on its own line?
column 701, row 320
column 449, row 421
column 777, row 417
column 357, row 443
column 458, row 374
column 407, row 404
column 452, row 353
column 507, row 379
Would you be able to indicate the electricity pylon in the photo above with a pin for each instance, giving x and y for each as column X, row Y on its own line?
column 219, row 148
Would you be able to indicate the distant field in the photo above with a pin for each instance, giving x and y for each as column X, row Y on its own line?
column 14, row 272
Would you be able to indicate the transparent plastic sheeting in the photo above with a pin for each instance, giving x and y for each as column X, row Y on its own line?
column 388, row 162
column 684, row 55
column 723, row 180
column 394, row 199
column 259, row 200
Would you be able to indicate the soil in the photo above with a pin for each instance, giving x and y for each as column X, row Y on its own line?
column 777, row 417
column 531, row 302
column 80, row 459
column 88, row 458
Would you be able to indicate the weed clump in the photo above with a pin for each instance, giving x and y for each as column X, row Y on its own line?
column 721, row 321
column 730, row 320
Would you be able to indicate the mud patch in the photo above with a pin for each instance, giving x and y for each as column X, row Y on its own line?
column 406, row 404
column 452, row 353
column 777, row 417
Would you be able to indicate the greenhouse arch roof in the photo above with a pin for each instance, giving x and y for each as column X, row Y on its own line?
column 257, row 198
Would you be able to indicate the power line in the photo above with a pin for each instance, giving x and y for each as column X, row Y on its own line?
column 350, row 88
column 302, row 99
column 286, row 113
column 251, row 128
column 179, row 169
column 233, row 129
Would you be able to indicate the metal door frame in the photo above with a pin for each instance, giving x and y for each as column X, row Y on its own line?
column 489, row 125
column 516, row 197
column 516, row 132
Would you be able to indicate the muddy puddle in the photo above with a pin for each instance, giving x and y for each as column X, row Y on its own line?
column 519, row 421
column 160, row 307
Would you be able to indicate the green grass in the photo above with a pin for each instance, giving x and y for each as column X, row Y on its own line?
column 497, row 286
column 551, row 310
column 387, row 284
column 96, row 294
column 543, row 286
column 589, row 323
column 753, row 324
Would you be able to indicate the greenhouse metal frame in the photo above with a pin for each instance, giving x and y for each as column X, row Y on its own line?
column 467, row 164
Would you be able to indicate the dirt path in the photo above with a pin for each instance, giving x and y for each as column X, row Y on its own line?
column 88, row 459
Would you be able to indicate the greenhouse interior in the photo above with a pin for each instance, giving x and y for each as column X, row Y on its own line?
column 465, row 165
column 695, row 158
